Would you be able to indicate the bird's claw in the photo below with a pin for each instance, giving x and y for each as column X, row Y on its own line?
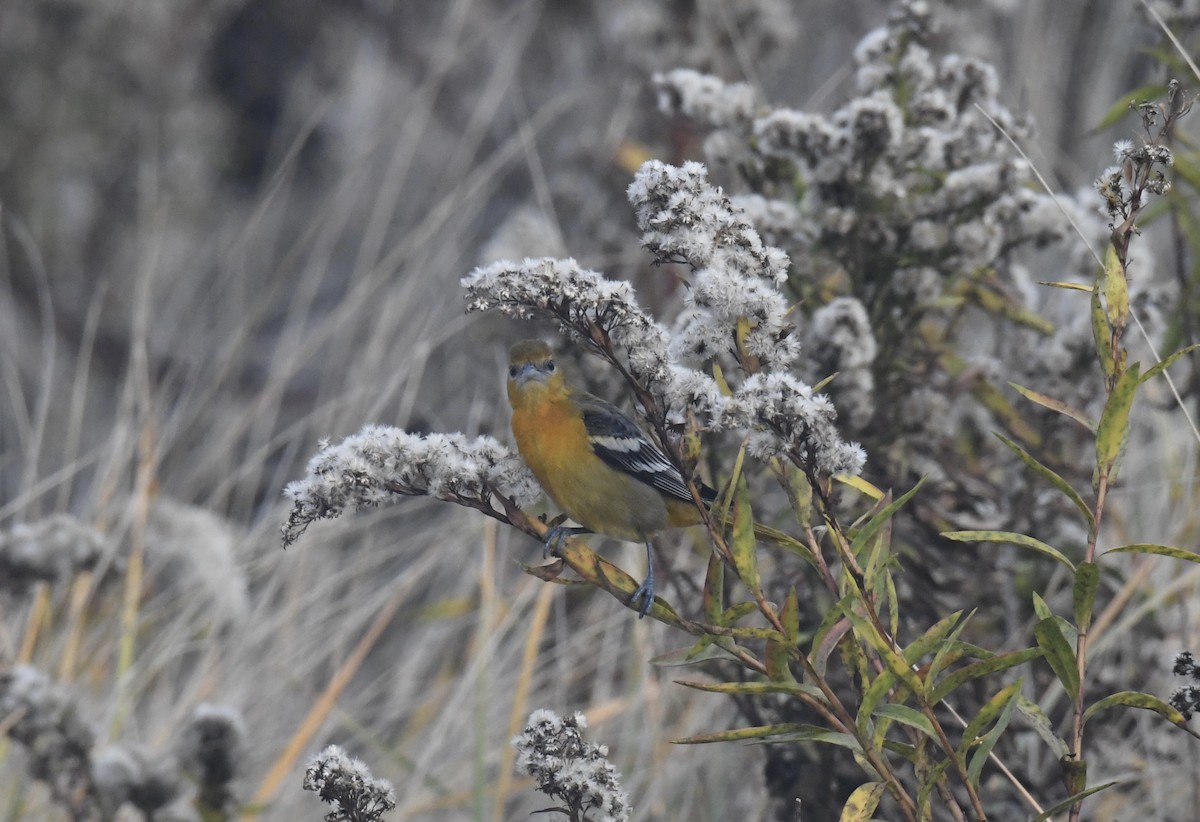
column 553, row 540
column 644, row 594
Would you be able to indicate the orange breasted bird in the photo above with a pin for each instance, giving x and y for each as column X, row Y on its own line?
column 593, row 461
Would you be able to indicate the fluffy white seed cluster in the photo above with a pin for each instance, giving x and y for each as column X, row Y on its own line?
column 580, row 300
column 44, row 720
column 704, row 97
column 789, row 420
column 686, row 219
column 841, row 340
column 212, row 747
column 347, row 785
column 373, row 466
column 552, row 750
column 911, row 151
column 55, row 548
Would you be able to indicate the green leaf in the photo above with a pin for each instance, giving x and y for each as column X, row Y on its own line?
column 714, row 590
column 1160, row 550
column 1055, row 405
column 1069, row 801
column 776, row 655
column 1059, row 654
column 790, row 616
column 1116, row 290
column 1040, row 607
column 742, row 543
column 1184, row 169
column 743, row 734
column 998, row 708
column 1168, row 361
column 908, row 716
column 989, row 740
column 872, row 697
column 881, row 519
column 1009, row 537
column 926, row 642
column 1135, row 699
column 895, row 663
column 936, row 775
column 704, row 650
column 829, row 633
column 1068, row 286
column 909, row 752
column 1037, row 719
column 816, row 734
column 1120, row 109
column 892, row 603
column 1101, row 332
column 1114, row 421
column 947, row 652
column 975, row 670
column 1051, row 477
column 755, row 688
column 862, row 802
column 1087, row 580
column 720, row 506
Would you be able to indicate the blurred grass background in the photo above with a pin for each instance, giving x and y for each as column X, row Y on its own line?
column 231, row 228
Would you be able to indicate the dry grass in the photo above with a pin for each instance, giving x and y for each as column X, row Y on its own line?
column 172, row 349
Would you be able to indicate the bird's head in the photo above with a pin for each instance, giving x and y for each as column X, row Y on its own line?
column 532, row 372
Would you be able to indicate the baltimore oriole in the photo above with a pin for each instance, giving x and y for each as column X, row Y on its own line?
column 593, row 461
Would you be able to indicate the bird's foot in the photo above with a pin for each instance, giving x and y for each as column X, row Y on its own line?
column 552, row 542
column 645, row 595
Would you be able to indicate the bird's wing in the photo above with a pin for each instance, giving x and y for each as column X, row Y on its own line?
column 618, row 441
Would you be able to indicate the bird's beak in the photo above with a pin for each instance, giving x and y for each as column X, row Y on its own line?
column 528, row 372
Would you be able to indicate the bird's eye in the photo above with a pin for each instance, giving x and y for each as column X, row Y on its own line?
column 550, row 366
column 512, row 371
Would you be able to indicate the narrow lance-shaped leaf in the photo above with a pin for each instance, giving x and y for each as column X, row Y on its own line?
column 1051, row 477
column 908, row 716
column 833, row 627
column 926, row 642
column 1069, row 801
column 742, row 542
column 983, row 667
column 992, row 710
column 879, row 520
column 813, row 733
column 989, row 740
column 1101, row 332
column 1159, row 550
column 1012, row 538
column 1066, row 285
column 944, row 656
column 1146, row 702
column 1114, row 421
column 933, row 778
column 1116, row 290
column 1037, row 719
column 875, row 694
column 755, row 688
column 713, row 598
column 1087, row 580
column 1061, row 407
column 1059, row 654
column 743, row 734
column 1040, row 607
column 862, row 802
column 1119, row 110
column 1167, row 361
column 895, row 663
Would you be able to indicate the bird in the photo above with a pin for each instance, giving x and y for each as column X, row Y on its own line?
column 594, row 462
